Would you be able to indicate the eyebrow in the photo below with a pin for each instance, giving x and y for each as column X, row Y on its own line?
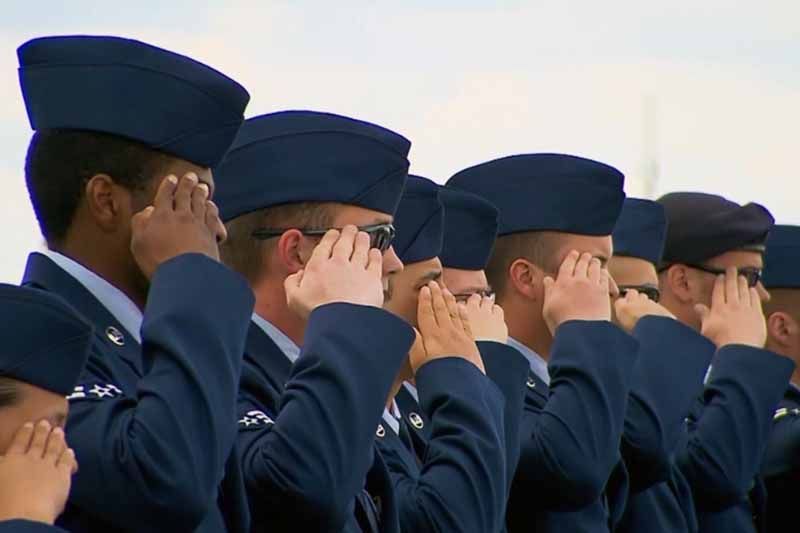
column 433, row 275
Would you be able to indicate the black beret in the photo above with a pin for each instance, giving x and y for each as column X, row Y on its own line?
column 701, row 226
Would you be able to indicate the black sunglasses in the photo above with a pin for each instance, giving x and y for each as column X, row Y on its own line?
column 380, row 235
column 751, row 274
column 650, row 291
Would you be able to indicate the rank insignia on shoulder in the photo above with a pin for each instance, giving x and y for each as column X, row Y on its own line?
column 255, row 420
column 94, row 391
column 784, row 411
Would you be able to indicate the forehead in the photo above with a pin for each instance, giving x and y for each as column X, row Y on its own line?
column 737, row 258
column 599, row 246
column 359, row 216
column 632, row 271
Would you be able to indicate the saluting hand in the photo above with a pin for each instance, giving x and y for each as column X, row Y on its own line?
column 735, row 316
column 181, row 220
column 36, row 474
column 444, row 329
column 342, row 268
column 579, row 292
column 635, row 305
column 486, row 319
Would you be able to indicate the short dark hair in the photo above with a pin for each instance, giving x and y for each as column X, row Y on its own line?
column 538, row 247
column 60, row 162
column 245, row 254
column 9, row 392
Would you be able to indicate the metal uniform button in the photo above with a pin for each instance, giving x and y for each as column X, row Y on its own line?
column 115, row 336
column 416, row 420
column 531, row 383
column 380, row 432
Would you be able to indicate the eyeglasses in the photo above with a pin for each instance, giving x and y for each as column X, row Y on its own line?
column 380, row 235
column 464, row 296
column 751, row 274
column 650, row 291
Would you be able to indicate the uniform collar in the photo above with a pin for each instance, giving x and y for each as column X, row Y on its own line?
column 287, row 345
column 412, row 390
column 392, row 417
column 114, row 300
column 538, row 365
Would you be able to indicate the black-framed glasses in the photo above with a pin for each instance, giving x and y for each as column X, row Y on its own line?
column 464, row 296
column 651, row 291
column 380, row 235
column 751, row 274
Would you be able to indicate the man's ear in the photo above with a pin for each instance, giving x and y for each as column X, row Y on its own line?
column 291, row 252
column 525, row 278
column 107, row 202
column 782, row 329
column 679, row 283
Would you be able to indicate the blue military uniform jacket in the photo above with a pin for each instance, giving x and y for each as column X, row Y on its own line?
column 781, row 470
column 722, row 451
column 460, row 480
column 151, row 425
column 307, row 431
column 570, row 434
column 667, row 379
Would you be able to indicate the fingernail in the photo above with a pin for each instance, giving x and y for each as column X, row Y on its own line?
column 204, row 187
column 28, row 425
column 172, row 179
column 44, row 424
column 192, row 177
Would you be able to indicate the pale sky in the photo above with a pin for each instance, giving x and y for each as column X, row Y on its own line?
column 470, row 80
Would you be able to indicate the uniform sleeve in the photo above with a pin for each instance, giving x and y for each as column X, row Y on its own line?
column 667, row 378
column 26, row 526
column 571, row 446
column 160, row 450
column 304, row 470
column 508, row 369
column 461, row 485
column 723, row 448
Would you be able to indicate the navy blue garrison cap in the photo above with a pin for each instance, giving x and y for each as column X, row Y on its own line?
column 641, row 230
column 470, row 229
column 164, row 100
column 419, row 221
column 701, row 226
column 307, row 156
column 782, row 258
column 548, row 192
column 43, row 342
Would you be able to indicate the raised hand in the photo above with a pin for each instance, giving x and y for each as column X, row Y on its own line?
column 444, row 329
column 486, row 319
column 36, row 474
column 181, row 220
column 735, row 316
column 635, row 305
column 579, row 292
column 342, row 268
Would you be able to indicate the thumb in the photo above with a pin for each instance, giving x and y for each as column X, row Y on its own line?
column 139, row 220
column 292, row 283
column 702, row 311
column 548, row 285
